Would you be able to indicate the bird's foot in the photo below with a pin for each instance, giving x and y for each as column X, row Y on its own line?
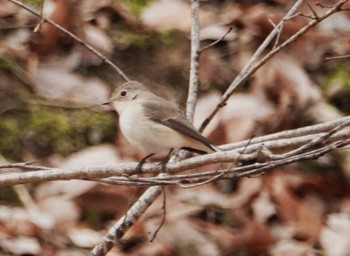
column 142, row 162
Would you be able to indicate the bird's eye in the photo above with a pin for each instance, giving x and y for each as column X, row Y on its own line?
column 123, row 93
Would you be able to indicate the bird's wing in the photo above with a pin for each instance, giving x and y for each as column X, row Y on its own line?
column 170, row 116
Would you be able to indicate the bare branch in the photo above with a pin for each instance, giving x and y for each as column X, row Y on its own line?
column 25, row 165
column 337, row 57
column 249, row 69
column 216, row 41
column 299, row 132
column 127, row 221
column 193, row 86
column 237, row 172
column 287, row 140
column 163, row 217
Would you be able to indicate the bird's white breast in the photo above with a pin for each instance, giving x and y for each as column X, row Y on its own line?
column 146, row 134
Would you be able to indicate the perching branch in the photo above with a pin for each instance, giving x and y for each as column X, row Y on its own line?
column 202, row 178
column 296, row 145
column 287, row 141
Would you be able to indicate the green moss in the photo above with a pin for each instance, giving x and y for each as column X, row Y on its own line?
column 35, row 3
column 9, row 134
column 136, row 6
column 168, row 37
column 93, row 218
column 6, row 63
column 47, row 131
column 340, row 76
column 52, row 130
column 139, row 40
column 97, row 127
column 337, row 88
column 191, row 248
column 144, row 40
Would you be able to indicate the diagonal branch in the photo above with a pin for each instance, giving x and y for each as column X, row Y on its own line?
column 249, row 69
column 127, row 221
column 75, row 37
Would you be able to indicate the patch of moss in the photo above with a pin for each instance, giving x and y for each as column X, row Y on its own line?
column 35, row 3
column 6, row 63
column 337, row 88
column 52, row 130
column 10, row 140
column 128, row 39
column 49, row 131
column 190, row 248
column 94, row 219
column 168, row 37
column 97, row 127
column 136, row 6
column 340, row 76
column 143, row 41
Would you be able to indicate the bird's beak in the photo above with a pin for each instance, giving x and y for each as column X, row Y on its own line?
column 106, row 103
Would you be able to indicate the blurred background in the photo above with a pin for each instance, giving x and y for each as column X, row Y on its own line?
column 52, row 87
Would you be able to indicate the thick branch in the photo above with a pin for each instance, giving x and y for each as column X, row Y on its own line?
column 287, row 140
column 243, row 171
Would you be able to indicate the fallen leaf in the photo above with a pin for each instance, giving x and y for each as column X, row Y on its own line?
column 335, row 236
column 21, row 245
column 84, row 237
column 303, row 219
column 291, row 247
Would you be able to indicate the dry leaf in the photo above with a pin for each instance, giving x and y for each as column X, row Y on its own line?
column 21, row 245
column 290, row 247
column 61, row 85
column 303, row 219
column 263, row 207
column 84, row 237
column 335, row 237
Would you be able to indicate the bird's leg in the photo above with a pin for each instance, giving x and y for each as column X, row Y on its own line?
column 194, row 150
column 143, row 160
column 166, row 159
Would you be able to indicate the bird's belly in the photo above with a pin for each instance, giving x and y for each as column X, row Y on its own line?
column 147, row 135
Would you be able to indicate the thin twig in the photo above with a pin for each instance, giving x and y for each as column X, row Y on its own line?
column 41, row 22
column 278, row 35
column 75, row 37
column 216, row 41
column 197, row 184
column 307, row 130
column 314, row 142
column 249, row 69
column 163, row 217
column 25, row 165
column 337, row 57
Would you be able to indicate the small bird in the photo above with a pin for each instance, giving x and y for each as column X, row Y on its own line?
column 153, row 124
